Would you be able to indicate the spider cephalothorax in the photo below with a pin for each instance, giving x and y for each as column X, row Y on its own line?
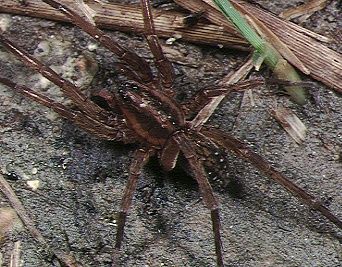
column 144, row 111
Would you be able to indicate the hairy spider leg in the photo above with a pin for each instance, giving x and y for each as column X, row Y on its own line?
column 138, row 68
column 243, row 151
column 205, row 189
column 116, row 131
column 68, row 88
column 203, row 97
column 140, row 158
column 163, row 64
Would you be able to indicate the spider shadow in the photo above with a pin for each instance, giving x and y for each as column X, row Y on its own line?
column 153, row 192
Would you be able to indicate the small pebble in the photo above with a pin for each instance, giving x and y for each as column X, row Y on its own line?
column 34, row 171
column 33, row 184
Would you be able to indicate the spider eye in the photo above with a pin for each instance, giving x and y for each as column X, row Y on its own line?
column 130, row 87
column 126, row 88
column 123, row 93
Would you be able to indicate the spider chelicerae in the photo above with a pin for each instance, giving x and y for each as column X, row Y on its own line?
column 146, row 112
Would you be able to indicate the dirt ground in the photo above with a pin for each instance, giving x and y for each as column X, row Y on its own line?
column 81, row 179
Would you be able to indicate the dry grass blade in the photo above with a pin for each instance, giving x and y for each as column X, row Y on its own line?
column 128, row 18
column 283, row 49
column 8, row 222
column 232, row 78
column 305, row 10
column 290, row 122
column 87, row 11
column 327, row 68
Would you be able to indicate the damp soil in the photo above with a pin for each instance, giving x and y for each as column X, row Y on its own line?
column 81, row 178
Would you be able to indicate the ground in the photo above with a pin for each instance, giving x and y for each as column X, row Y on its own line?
column 81, row 178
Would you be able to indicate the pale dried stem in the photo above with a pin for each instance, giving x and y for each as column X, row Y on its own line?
column 233, row 77
column 128, row 18
column 15, row 255
column 290, row 122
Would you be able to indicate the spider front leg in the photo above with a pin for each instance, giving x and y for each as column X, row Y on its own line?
column 91, row 117
column 140, row 68
column 204, row 102
column 69, row 89
column 206, row 191
column 164, row 66
column 116, row 131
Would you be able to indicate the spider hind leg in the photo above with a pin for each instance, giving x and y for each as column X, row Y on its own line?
column 206, row 191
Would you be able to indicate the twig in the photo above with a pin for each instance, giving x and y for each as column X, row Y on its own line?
column 6, row 189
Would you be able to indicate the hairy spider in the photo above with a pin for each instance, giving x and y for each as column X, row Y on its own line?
column 147, row 114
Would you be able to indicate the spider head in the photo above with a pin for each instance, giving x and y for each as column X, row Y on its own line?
column 152, row 114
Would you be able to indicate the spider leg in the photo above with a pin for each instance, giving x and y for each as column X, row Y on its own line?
column 116, row 131
column 203, row 97
column 206, row 191
column 243, row 151
column 140, row 67
column 140, row 158
column 68, row 88
column 163, row 65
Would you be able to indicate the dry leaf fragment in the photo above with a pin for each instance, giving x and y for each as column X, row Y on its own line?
column 88, row 12
column 291, row 123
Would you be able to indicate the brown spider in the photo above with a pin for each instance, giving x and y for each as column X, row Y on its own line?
column 147, row 114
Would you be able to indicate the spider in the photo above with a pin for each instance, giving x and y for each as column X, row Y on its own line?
column 145, row 112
